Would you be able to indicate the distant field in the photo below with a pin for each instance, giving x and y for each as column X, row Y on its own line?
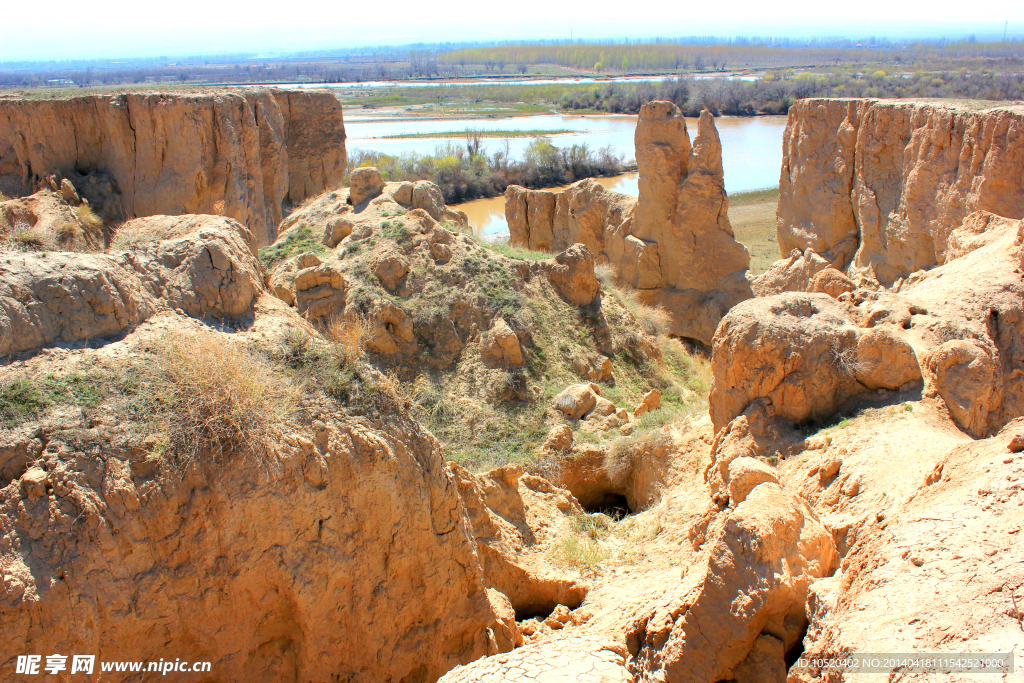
column 752, row 215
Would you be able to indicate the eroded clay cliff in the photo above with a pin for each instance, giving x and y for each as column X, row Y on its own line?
column 879, row 184
column 244, row 154
column 343, row 551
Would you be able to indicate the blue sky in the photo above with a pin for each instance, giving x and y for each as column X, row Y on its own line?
column 119, row 28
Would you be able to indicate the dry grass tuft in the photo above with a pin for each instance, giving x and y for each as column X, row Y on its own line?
column 347, row 336
column 87, row 217
column 606, row 275
column 68, row 233
column 655, row 320
column 622, row 456
column 214, row 399
column 126, row 237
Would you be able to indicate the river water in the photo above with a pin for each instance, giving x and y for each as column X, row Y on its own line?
column 751, row 147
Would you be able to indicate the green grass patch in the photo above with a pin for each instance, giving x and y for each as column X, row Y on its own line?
column 514, row 252
column 24, row 399
column 296, row 242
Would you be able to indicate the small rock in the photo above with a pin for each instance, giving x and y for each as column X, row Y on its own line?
column 33, row 483
column 441, row 253
column 559, row 439
column 559, row 617
column 69, row 193
column 576, row 400
column 1017, row 443
column 830, row 468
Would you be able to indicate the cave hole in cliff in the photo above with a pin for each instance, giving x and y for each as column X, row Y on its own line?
column 542, row 609
column 610, row 503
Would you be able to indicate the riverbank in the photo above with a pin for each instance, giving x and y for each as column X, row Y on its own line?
column 752, row 216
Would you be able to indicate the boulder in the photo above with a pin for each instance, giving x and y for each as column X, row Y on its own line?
column 595, row 369
column 577, row 400
column 968, row 379
column 390, row 268
column 427, row 196
column 364, row 184
column 559, row 439
column 572, row 275
column 885, row 359
column 793, row 274
column 832, row 282
column 763, row 556
column 652, row 401
column 500, row 346
column 798, row 350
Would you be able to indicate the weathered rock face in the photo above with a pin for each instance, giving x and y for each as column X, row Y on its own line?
column 353, row 520
column 753, row 584
column 880, row 184
column 204, row 266
column 242, row 154
column 515, row 519
column 674, row 243
column 584, row 213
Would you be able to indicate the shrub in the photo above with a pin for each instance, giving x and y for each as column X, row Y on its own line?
column 214, row 398
column 126, row 237
column 583, row 554
column 621, row 457
column 348, row 337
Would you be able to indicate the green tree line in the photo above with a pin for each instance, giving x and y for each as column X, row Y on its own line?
column 466, row 171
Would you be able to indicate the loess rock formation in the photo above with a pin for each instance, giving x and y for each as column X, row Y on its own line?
column 673, row 243
column 879, row 184
column 242, row 154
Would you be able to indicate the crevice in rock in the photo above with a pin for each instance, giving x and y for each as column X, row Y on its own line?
column 794, row 653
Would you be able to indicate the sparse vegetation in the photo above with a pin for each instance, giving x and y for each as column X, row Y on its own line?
column 210, row 398
column 296, row 242
column 25, row 237
column 23, row 398
column 582, row 553
column 87, row 217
